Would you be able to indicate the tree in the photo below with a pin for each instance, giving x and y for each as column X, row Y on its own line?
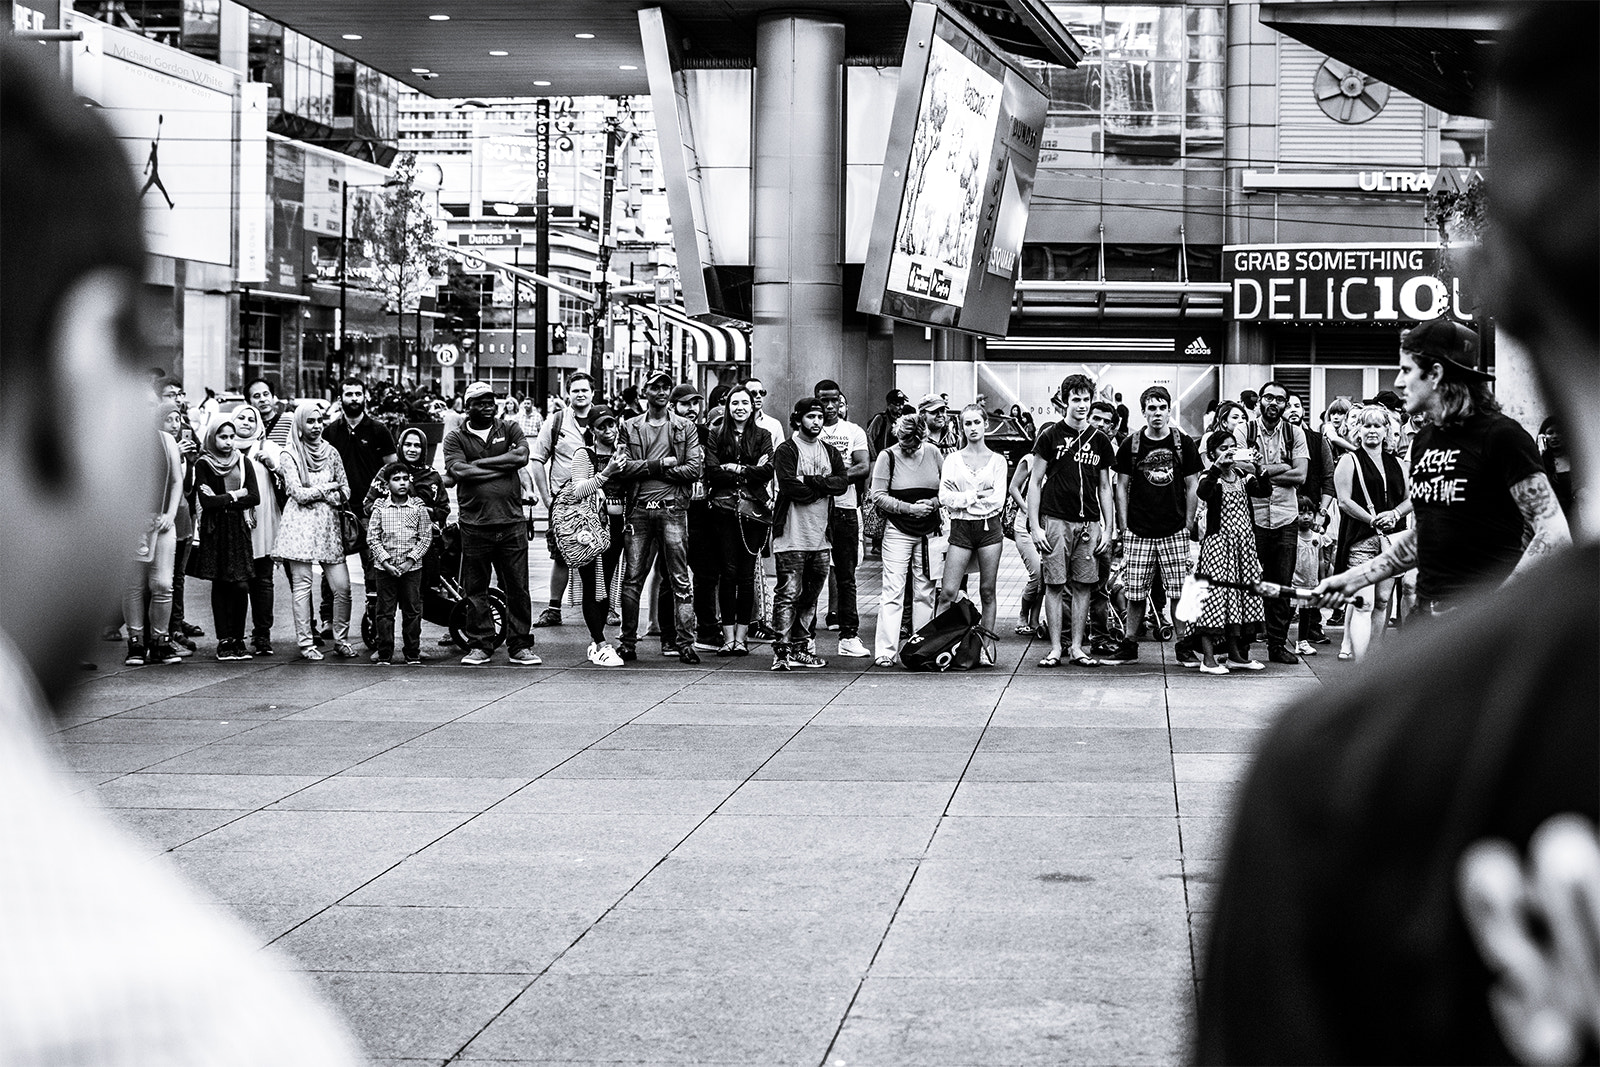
column 397, row 234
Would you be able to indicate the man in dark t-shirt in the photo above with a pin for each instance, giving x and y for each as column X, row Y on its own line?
column 1070, row 514
column 364, row 444
column 1157, row 471
column 366, row 447
column 1476, row 479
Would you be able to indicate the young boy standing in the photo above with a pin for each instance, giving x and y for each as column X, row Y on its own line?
column 398, row 534
column 1308, row 572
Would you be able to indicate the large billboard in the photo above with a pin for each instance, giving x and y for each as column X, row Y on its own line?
column 957, row 179
column 175, row 116
column 1396, row 283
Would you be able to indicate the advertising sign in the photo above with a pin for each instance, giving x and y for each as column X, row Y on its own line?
column 253, row 211
column 323, row 178
column 286, row 240
column 174, row 114
column 958, row 175
column 1342, row 283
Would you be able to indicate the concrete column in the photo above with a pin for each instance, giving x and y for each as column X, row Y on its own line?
column 798, row 140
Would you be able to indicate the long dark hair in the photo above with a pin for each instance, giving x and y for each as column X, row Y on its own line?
column 727, row 431
column 1458, row 400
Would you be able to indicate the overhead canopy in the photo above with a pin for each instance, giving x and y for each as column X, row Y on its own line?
column 541, row 42
column 1434, row 50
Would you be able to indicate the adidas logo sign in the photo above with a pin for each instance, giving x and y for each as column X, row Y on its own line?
column 1198, row 347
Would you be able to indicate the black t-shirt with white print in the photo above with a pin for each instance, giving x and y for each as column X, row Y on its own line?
column 1071, row 490
column 1158, row 501
column 1469, row 529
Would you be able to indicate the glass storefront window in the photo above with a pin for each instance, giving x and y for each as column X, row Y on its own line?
column 1149, row 91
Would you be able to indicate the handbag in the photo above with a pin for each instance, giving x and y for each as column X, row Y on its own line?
column 351, row 534
column 871, row 518
column 938, row 645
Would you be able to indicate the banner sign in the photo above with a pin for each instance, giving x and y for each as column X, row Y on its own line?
column 1342, row 283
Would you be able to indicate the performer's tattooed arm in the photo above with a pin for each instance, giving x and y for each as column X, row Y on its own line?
column 1537, row 502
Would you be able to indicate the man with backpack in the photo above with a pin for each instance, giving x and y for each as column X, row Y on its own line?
column 1157, row 470
column 1281, row 449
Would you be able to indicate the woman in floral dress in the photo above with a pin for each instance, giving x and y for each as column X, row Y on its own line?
column 308, row 532
column 1229, row 617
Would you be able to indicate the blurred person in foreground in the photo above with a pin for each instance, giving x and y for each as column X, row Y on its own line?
column 1413, row 875
column 106, row 955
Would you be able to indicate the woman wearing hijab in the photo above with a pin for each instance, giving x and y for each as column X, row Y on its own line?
column 426, row 484
column 308, row 533
column 262, row 455
column 228, row 492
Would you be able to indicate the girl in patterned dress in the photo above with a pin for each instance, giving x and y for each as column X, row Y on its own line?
column 1229, row 617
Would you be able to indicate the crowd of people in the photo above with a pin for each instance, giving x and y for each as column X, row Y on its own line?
column 687, row 495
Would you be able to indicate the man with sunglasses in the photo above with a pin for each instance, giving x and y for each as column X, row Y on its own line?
column 758, row 396
column 1281, row 446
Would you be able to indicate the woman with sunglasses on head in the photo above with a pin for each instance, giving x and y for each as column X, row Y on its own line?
column 228, row 492
column 1374, row 499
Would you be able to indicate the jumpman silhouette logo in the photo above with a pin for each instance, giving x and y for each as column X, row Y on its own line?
column 152, row 167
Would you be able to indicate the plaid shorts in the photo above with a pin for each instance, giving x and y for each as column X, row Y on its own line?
column 1141, row 556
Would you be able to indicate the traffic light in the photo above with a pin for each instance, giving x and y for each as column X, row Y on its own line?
column 558, row 339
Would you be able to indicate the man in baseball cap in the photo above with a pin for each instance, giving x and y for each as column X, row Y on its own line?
column 1476, row 480
column 935, row 410
column 1449, row 344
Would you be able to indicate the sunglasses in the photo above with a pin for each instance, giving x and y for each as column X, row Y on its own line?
column 758, row 392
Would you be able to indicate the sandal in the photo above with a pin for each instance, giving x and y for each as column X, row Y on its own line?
column 1085, row 661
column 726, row 650
column 1051, row 660
column 1024, row 630
column 740, row 649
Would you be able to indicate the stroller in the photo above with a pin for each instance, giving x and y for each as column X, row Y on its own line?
column 443, row 602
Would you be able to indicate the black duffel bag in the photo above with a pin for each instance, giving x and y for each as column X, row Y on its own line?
column 954, row 639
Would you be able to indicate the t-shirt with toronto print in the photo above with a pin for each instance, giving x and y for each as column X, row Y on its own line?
column 1071, row 490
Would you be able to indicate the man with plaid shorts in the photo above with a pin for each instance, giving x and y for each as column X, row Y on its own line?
column 1157, row 471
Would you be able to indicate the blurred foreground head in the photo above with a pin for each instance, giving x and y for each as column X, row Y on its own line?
column 71, row 263
column 1541, row 255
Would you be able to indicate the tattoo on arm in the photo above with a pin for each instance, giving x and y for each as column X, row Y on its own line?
column 1537, row 502
column 1400, row 557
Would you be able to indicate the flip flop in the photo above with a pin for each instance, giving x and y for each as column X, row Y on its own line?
column 1086, row 661
column 1051, row 660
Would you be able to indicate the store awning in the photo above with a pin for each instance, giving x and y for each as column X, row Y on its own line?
column 715, row 343
column 1438, row 51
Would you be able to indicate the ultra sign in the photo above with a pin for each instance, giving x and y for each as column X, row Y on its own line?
column 1342, row 283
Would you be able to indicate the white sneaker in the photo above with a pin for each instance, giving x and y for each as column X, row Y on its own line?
column 852, row 647
column 1306, row 648
column 603, row 655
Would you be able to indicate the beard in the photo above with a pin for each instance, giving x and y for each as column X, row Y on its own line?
column 353, row 408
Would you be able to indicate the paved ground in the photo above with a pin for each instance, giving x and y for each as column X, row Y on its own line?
column 656, row 864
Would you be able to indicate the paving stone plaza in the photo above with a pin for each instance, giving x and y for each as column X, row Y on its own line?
column 658, row 864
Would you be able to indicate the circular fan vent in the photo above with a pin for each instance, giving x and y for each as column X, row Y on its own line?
column 1346, row 95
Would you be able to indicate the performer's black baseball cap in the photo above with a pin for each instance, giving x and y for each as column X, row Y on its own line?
column 1449, row 342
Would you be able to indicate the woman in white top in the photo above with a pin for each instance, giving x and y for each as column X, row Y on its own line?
column 973, row 491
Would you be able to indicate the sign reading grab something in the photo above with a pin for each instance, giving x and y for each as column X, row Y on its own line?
column 1341, row 283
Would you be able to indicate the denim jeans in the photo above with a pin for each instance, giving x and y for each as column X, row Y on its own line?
column 662, row 532
column 503, row 548
column 801, row 578
column 1277, row 551
column 405, row 592
column 705, row 570
column 845, row 531
column 261, row 599
column 149, row 588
